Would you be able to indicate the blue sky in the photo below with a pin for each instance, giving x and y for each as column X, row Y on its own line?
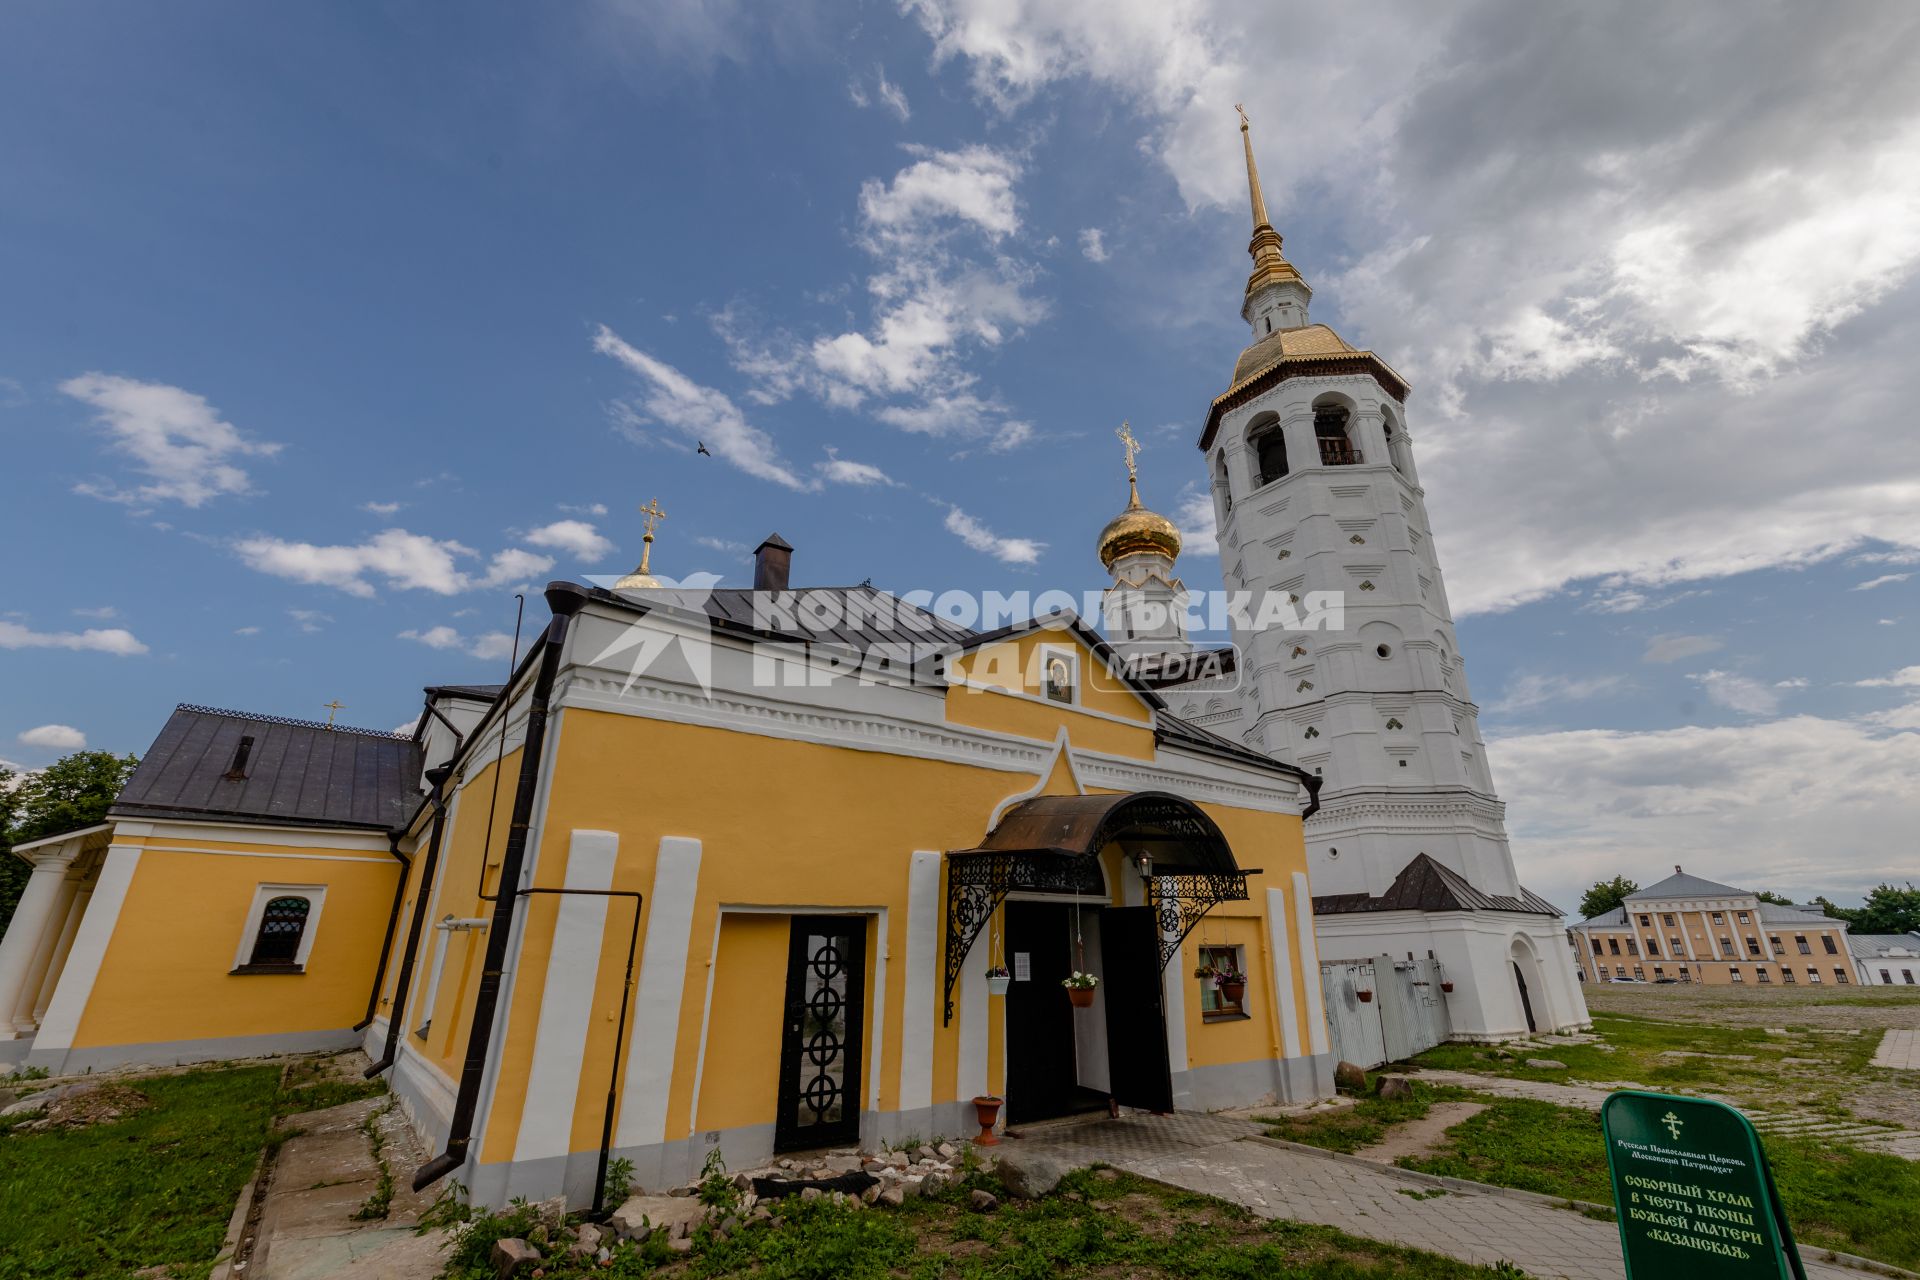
column 325, row 329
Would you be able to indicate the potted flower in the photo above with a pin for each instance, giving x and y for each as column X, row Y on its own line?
column 1232, row 985
column 1446, row 986
column 1204, row 971
column 1365, row 994
column 1080, row 988
column 986, row 1109
column 997, row 980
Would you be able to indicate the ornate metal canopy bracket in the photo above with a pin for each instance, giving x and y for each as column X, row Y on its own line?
column 978, row 882
column 1180, row 900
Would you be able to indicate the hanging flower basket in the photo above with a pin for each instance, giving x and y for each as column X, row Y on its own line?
column 998, row 979
column 1233, row 987
column 1366, row 997
column 1446, row 986
column 1080, row 987
column 986, row 1110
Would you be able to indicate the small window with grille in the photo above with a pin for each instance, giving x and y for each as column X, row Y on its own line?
column 278, row 934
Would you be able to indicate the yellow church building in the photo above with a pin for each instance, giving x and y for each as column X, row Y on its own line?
column 755, row 869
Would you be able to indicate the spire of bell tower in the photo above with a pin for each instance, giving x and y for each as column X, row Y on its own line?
column 1276, row 296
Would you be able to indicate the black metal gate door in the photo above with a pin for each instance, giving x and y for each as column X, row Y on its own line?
column 820, row 1041
column 1526, row 1002
column 1136, row 1008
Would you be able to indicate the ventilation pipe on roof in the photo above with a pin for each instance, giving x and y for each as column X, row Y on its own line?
column 565, row 599
column 772, row 564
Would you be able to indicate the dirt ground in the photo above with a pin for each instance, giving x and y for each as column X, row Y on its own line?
column 1870, row 1093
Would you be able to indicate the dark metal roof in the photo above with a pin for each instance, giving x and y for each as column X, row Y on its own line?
column 1177, row 834
column 474, row 692
column 1682, row 885
column 854, row 617
column 296, row 772
column 1425, row 885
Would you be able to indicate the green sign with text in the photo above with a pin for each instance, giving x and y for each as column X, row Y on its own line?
column 1693, row 1191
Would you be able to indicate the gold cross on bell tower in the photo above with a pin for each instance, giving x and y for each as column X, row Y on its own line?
column 1132, row 447
column 643, row 576
column 333, row 708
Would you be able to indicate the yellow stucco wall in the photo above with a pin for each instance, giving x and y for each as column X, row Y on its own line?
column 161, row 982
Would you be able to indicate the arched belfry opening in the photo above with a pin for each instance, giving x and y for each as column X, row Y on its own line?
column 1268, row 444
column 1042, row 880
column 1331, row 418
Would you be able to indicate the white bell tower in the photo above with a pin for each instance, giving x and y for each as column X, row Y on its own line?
column 1315, row 490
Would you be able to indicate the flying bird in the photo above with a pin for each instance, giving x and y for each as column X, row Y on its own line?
column 702, row 449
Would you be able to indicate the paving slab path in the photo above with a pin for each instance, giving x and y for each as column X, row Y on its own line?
column 1899, row 1049
column 1221, row 1157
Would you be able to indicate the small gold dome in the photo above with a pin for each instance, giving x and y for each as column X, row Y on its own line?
column 1138, row 529
column 637, row 582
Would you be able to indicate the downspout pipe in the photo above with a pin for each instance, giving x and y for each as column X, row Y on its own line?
column 393, row 920
column 565, row 599
column 396, row 1017
column 1314, row 782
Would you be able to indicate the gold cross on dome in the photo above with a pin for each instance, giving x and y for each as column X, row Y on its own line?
column 1243, row 114
column 1131, row 445
column 654, row 515
column 332, row 709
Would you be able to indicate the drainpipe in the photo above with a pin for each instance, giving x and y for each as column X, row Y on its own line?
column 393, row 919
column 565, row 599
column 1314, row 782
column 396, row 1017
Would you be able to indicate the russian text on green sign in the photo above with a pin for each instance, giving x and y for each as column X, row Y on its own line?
column 1693, row 1191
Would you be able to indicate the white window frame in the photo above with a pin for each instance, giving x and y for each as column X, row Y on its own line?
column 316, row 896
column 1047, row 653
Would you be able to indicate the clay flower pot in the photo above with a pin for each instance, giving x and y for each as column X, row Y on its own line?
column 1447, row 987
column 1366, row 997
column 1082, row 997
column 987, row 1110
column 1233, row 989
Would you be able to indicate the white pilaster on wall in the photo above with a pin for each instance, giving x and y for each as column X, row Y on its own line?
column 922, row 981
column 62, row 945
column 1281, row 950
column 974, row 1011
column 1317, row 1041
column 55, row 917
column 566, row 1002
column 657, row 996
column 89, row 949
column 33, row 918
column 1176, row 1006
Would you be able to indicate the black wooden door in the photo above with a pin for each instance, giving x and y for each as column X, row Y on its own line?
column 820, row 1041
column 1526, row 1003
column 1040, row 1052
column 1136, row 1009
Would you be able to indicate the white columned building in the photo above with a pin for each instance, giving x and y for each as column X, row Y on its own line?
column 1315, row 490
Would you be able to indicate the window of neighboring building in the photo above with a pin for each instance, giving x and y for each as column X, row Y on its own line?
column 1718, row 918
column 1907, row 976
column 1613, row 945
column 1786, row 974
column 1653, row 946
column 1620, row 970
column 1633, row 948
column 1675, row 946
column 1753, row 946
column 279, row 929
column 1735, row 973
column 1658, row 972
column 1743, row 918
column 1800, row 941
column 1778, row 946
column 1764, row 975
column 1639, row 972
column 1826, row 940
column 1645, row 921
column 1666, row 918
column 1813, row 976
column 1726, row 945
column 1684, row 975
column 1596, row 946
column 1886, row 978
column 1213, row 1001
column 1840, row 975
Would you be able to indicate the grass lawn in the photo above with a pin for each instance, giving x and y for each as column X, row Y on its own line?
column 1100, row 1223
column 1366, row 1122
column 1856, row 1201
column 156, row 1187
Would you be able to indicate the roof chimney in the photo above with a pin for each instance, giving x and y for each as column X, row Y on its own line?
column 772, row 563
column 1676, row 869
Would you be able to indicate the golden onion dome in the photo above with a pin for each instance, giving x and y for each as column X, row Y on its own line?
column 1138, row 529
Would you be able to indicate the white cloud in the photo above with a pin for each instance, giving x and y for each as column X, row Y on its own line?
column 1904, row 678
column 114, row 640
column 310, row 621
column 490, row 645
column 1793, row 682
column 588, row 509
column 725, row 545
column 1672, row 648
column 1093, row 245
column 99, row 614
column 1199, row 535
column 1883, row 580
column 1801, row 805
column 382, row 508
column 54, row 737
column 840, row 470
column 981, row 538
column 576, row 537
column 1737, row 692
column 246, row 631
column 891, row 95
column 172, row 436
column 405, row 561
column 971, row 185
column 700, row 413
column 1528, row 692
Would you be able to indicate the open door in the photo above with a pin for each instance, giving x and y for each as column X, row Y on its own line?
column 1136, row 1008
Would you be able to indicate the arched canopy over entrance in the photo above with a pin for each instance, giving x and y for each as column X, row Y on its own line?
column 1052, row 844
